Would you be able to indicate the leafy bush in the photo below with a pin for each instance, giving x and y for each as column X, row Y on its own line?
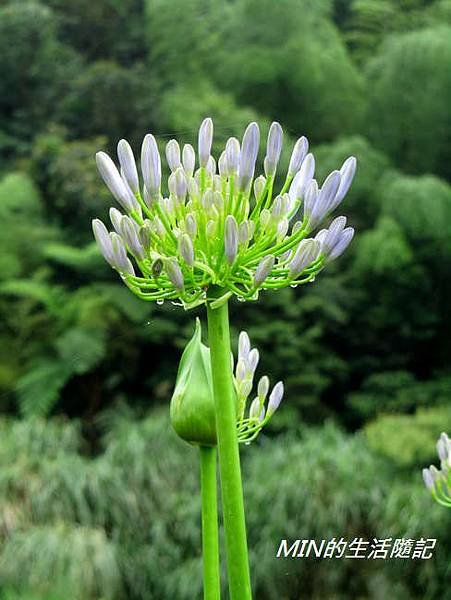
column 133, row 512
column 409, row 440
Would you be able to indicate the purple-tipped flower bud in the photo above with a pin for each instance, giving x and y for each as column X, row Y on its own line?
column 255, row 409
column 115, row 183
column 232, row 152
column 275, row 398
column 230, row 238
column 428, row 479
column 263, row 387
column 306, row 252
column 191, row 225
column 244, row 346
column 186, row 249
column 259, row 186
column 252, row 361
column 173, row 155
column 347, row 173
column 174, row 273
column 331, row 236
column 205, row 140
column 241, row 370
column 297, row 156
column 151, row 166
column 442, row 449
column 248, row 155
column 343, row 242
column 273, row 148
column 263, row 269
column 243, row 232
column 303, row 178
column 103, row 240
column 128, row 165
column 325, row 199
column 120, row 258
column 130, row 236
column 222, row 165
column 115, row 218
column 188, row 159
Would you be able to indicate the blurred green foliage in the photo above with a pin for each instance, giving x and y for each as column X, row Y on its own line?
column 367, row 346
column 122, row 521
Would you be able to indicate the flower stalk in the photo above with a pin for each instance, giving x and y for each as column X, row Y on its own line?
column 210, row 544
column 229, row 458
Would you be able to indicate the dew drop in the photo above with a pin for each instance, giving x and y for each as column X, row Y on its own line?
column 312, row 280
column 247, row 443
column 294, row 285
column 160, row 301
column 240, row 299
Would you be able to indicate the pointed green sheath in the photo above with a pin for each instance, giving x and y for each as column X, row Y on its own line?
column 192, row 404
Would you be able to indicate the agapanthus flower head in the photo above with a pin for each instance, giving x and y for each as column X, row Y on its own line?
column 217, row 226
column 438, row 481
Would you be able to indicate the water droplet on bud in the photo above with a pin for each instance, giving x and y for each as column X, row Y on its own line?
column 160, row 301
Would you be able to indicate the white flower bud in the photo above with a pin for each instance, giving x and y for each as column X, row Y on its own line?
column 103, row 240
column 151, row 166
column 306, row 252
column 120, row 259
column 241, row 370
column 263, row 387
column 428, row 479
column 205, row 140
column 222, row 165
column 186, row 249
column 173, row 155
column 115, row 183
column 244, row 345
column 323, row 203
column 210, row 167
column 297, row 156
column 174, row 273
column 210, row 229
column 181, row 185
column 115, row 218
column 232, row 152
column 252, row 361
column 275, row 398
column 259, row 186
column 255, row 409
column 130, row 236
column 263, row 270
column 193, row 188
column 282, row 228
column 188, row 159
column 273, row 148
column 230, row 238
column 332, row 235
column 191, row 225
column 243, row 232
column 245, row 388
column 248, row 155
column 343, row 242
column 303, row 178
column 265, row 217
column 128, row 165
column 347, row 173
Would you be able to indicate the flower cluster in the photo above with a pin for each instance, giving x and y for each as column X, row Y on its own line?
column 192, row 404
column 216, row 225
column 438, row 481
column 258, row 415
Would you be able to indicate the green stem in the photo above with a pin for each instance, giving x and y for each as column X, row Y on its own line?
column 229, row 458
column 210, row 546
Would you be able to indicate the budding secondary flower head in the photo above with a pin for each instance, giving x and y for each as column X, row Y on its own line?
column 438, row 481
column 220, row 229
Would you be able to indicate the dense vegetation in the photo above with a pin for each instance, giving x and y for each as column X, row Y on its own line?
column 98, row 498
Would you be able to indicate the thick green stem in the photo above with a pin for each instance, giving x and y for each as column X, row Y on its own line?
column 210, row 545
column 229, row 458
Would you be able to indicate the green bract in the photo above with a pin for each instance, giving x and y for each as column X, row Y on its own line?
column 192, row 403
column 216, row 225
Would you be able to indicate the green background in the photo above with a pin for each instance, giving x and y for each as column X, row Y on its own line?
column 98, row 498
